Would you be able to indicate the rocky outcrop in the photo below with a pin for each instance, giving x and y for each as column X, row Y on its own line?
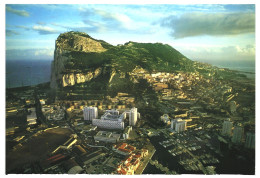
column 57, row 67
column 72, row 79
column 78, row 41
column 79, row 58
column 65, row 44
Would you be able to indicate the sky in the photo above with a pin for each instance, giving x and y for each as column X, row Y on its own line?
column 203, row 32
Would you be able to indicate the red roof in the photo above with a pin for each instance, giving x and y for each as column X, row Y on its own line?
column 58, row 158
column 55, row 156
column 131, row 148
column 137, row 155
column 122, row 171
column 136, row 162
column 123, row 145
column 124, row 150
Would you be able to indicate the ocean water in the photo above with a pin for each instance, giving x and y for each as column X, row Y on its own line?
column 249, row 71
column 27, row 72
column 32, row 72
column 245, row 67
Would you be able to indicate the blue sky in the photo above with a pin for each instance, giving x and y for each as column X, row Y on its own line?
column 201, row 32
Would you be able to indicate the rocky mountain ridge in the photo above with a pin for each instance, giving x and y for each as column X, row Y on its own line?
column 79, row 58
column 65, row 44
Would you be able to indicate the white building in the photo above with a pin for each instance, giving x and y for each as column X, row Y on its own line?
column 108, row 124
column 127, row 131
column 110, row 120
column 90, row 113
column 178, row 125
column 113, row 112
column 227, row 128
column 238, row 134
column 104, row 136
column 250, row 140
column 133, row 117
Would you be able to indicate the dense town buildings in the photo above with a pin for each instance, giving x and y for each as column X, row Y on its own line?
column 193, row 126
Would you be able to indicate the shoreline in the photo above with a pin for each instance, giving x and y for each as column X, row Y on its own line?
column 218, row 66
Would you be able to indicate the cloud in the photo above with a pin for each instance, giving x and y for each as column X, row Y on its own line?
column 23, row 27
column 231, row 53
column 44, row 52
column 11, row 33
column 113, row 17
column 101, row 17
column 239, row 51
column 41, row 23
column 22, row 54
column 18, row 12
column 44, row 30
column 41, row 29
column 215, row 24
column 98, row 20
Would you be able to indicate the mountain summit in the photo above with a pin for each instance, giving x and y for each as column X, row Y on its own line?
column 79, row 58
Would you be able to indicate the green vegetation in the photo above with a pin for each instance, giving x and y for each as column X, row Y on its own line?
column 117, row 62
column 86, row 61
column 125, row 58
column 160, row 57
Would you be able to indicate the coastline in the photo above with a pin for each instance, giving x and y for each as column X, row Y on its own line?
column 24, row 78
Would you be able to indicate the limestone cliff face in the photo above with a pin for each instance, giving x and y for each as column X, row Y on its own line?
column 72, row 79
column 79, row 58
column 67, row 43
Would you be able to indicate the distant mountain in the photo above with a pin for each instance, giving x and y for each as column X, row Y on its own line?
column 79, row 58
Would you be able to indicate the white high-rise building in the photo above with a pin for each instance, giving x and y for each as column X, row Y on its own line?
column 113, row 112
column 227, row 128
column 110, row 120
column 173, row 123
column 90, row 113
column 238, row 134
column 178, row 125
column 133, row 117
column 250, row 140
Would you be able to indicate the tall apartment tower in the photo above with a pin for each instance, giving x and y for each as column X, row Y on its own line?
column 250, row 140
column 238, row 134
column 178, row 125
column 133, row 117
column 227, row 128
column 90, row 113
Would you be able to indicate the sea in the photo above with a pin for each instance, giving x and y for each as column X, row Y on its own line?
column 32, row 72
column 244, row 67
column 27, row 72
column 248, row 71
